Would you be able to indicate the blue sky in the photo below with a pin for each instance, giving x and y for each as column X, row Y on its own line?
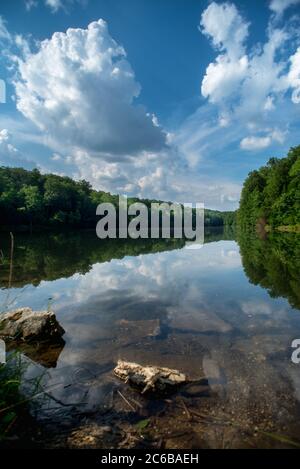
column 173, row 99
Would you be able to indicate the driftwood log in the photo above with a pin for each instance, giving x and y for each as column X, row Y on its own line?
column 149, row 378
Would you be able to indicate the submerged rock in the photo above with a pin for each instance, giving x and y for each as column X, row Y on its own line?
column 26, row 325
column 92, row 436
column 132, row 331
column 149, row 378
column 199, row 322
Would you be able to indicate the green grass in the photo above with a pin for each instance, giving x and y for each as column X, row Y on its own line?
column 10, row 394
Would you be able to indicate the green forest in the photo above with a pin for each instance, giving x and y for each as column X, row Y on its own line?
column 271, row 195
column 31, row 200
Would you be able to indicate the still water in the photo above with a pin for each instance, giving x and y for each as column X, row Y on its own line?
column 225, row 315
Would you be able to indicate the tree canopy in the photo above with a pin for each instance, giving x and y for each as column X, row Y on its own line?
column 272, row 193
column 32, row 199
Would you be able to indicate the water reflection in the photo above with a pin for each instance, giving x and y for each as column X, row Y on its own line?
column 45, row 354
column 273, row 263
column 191, row 310
column 53, row 256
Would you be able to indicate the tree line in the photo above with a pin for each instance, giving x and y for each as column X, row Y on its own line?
column 30, row 199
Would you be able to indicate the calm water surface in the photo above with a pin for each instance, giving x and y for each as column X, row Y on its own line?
column 211, row 313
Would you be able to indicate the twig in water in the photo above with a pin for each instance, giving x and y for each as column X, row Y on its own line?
column 138, row 404
column 190, row 417
column 125, row 400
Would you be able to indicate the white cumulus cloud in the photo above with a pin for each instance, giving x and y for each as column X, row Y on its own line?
column 223, row 77
column 79, row 89
column 254, row 143
column 247, row 84
column 223, row 24
column 228, row 31
column 246, row 78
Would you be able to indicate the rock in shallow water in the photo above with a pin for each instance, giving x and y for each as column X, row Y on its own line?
column 92, row 436
column 153, row 378
column 27, row 325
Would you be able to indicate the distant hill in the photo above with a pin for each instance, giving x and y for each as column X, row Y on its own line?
column 29, row 199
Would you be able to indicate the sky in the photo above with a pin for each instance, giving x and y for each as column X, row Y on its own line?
column 169, row 99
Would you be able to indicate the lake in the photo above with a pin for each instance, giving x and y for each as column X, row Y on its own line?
column 225, row 315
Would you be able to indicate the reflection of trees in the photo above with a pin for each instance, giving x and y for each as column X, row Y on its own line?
column 226, row 233
column 53, row 256
column 273, row 263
